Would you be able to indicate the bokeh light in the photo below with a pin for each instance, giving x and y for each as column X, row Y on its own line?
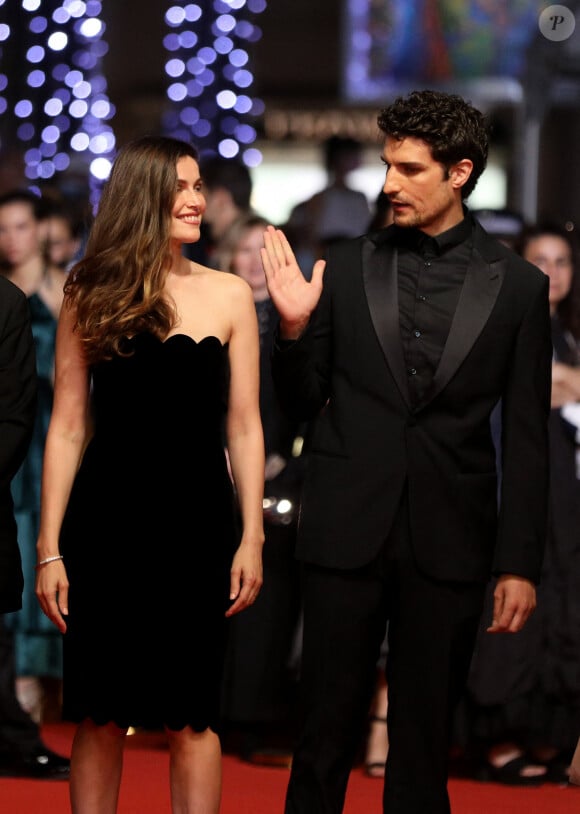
column 211, row 103
column 58, row 108
column 61, row 101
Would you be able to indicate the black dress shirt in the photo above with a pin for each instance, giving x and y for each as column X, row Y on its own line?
column 431, row 271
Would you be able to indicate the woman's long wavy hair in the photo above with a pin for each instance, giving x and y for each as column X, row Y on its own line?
column 116, row 289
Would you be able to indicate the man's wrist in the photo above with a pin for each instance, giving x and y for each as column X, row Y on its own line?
column 290, row 331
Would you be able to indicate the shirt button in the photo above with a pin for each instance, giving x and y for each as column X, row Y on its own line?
column 427, row 264
column 417, row 334
column 422, row 297
column 412, row 371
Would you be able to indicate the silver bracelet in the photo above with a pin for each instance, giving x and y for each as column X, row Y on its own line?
column 49, row 559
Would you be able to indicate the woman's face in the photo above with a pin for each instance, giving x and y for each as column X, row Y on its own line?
column 247, row 262
column 189, row 203
column 20, row 233
column 553, row 256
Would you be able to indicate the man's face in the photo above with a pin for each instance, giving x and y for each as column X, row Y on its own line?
column 20, row 233
column 423, row 193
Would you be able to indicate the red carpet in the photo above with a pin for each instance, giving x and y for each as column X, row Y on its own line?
column 252, row 790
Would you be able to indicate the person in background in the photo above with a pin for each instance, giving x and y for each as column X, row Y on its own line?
column 63, row 236
column 227, row 186
column 523, row 701
column 23, row 753
column 262, row 662
column 398, row 348
column 156, row 355
column 24, row 261
column 334, row 212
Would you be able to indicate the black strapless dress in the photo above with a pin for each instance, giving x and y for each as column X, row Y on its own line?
column 148, row 538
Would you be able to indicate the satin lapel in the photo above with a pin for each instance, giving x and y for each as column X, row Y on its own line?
column 478, row 295
column 380, row 282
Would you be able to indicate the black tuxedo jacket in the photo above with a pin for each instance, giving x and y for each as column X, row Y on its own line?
column 348, row 371
column 17, row 409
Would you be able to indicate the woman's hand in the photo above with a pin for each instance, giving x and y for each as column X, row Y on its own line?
column 52, row 592
column 246, row 576
column 293, row 296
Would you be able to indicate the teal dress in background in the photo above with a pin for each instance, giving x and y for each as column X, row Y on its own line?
column 37, row 642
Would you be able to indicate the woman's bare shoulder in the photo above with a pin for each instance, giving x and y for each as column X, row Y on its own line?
column 224, row 282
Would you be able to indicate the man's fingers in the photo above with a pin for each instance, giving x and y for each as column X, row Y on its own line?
column 272, row 253
column 286, row 248
column 273, row 247
column 268, row 270
column 509, row 617
column 318, row 272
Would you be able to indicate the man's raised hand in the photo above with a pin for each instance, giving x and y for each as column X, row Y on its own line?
column 294, row 297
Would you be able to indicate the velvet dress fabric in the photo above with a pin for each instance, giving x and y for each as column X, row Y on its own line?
column 148, row 538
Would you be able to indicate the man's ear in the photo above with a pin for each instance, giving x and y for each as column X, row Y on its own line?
column 460, row 172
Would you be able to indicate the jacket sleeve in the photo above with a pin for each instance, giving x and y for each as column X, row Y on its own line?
column 525, row 446
column 17, row 384
column 301, row 368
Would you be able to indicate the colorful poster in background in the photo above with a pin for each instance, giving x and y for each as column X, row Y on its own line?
column 391, row 44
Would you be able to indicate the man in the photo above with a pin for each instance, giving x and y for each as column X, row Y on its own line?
column 22, row 751
column 418, row 331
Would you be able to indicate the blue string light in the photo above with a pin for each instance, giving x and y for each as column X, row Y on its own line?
column 209, row 78
column 59, row 99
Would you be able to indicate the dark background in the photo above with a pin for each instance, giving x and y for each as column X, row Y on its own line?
column 297, row 68
column 297, row 65
column 296, row 62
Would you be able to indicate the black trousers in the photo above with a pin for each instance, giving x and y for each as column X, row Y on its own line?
column 19, row 734
column 432, row 628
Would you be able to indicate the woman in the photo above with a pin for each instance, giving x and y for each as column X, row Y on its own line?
column 24, row 261
column 525, row 692
column 264, row 644
column 137, row 504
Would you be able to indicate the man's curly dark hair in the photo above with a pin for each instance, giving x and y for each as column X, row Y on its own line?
column 452, row 127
